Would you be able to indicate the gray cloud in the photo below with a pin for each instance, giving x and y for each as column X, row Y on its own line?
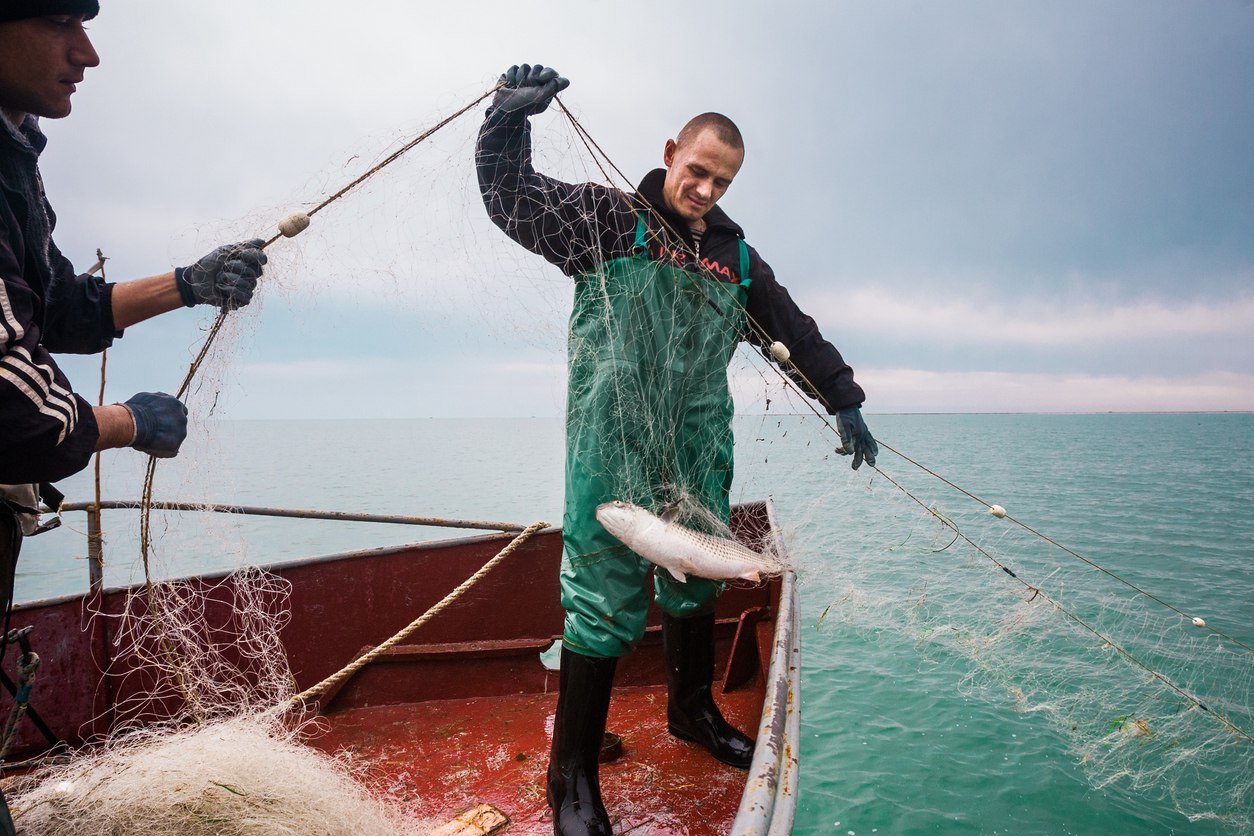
column 1017, row 161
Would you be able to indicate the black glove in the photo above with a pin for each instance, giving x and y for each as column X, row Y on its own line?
column 855, row 437
column 160, row 423
column 528, row 90
column 225, row 278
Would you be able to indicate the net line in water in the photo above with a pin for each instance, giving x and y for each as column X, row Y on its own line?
column 1194, row 620
column 1126, row 725
column 1036, row 591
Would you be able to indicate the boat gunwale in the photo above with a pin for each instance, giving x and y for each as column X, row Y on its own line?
column 296, row 563
column 769, row 802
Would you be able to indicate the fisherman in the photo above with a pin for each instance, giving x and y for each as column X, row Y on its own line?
column 665, row 288
column 47, row 432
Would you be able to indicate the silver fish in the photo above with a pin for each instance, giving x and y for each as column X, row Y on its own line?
column 682, row 551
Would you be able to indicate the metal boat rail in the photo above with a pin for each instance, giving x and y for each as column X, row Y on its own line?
column 95, row 542
column 299, row 513
column 769, row 804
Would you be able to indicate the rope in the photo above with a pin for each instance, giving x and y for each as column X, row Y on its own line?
column 95, row 543
column 357, row 664
column 27, row 668
column 391, row 158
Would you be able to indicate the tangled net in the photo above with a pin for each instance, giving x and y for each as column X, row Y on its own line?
column 244, row 775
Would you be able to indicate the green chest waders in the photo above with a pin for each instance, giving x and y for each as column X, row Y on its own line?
column 648, row 421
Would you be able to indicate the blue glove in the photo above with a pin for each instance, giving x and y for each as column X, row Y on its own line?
column 160, row 423
column 855, row 438
column 528, row 90
column 225, row 278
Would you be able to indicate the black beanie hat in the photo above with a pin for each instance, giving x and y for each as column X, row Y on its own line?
column 18, row 9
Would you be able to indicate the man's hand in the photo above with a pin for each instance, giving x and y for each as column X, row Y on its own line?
column 160, row 423
column 225, row 278
column 528, row 89
column 855, row 438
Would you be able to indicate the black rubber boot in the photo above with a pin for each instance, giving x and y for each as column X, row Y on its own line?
column 690, row 710
column 583, row 701
column 6, row 820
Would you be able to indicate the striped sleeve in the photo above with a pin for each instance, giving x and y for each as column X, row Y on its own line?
column 78, row 318
column 46, row 431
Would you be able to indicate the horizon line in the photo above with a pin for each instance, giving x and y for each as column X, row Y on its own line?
column 761, row 414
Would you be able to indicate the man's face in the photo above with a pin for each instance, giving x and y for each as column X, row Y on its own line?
column 41, row 61
column 698, row 173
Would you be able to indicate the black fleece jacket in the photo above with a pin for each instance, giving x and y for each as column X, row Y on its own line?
column 577, row 227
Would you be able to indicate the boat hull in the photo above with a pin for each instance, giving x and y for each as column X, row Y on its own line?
column 461, row 713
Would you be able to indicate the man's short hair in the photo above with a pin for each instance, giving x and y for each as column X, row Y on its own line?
column 20, row 9
column 724, row 128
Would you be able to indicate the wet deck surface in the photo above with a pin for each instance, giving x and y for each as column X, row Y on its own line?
column 444, row 756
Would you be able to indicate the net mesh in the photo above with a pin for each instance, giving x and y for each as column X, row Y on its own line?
column 1158, row 717
column 240, row 775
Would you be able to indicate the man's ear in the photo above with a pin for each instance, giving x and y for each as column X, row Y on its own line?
column 668, row 153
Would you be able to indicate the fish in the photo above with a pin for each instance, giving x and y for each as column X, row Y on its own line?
column 680, row 550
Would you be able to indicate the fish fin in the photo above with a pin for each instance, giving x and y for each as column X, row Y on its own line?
column 670, row 513
column 753, row 576
column 677, row 575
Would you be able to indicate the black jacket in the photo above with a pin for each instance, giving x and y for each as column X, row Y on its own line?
column 46, row 431
column 577, row 227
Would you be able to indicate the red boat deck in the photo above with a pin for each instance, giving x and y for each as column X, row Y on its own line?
column 441, row 757
column 463, row 716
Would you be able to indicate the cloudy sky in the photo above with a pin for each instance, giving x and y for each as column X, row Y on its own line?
column 986, row 205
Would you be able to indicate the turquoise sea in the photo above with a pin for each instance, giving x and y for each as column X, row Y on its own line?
column 939, row 694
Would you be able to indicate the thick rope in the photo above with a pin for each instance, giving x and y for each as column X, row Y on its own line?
column 27, row 668
column 357, row 664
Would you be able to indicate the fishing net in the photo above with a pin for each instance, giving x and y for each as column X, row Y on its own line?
column 242, row 775
column 1144, row 699
column 206, row 738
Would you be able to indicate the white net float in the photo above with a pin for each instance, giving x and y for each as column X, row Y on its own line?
column 294, row 224
column 780, row 352
column 997, row 511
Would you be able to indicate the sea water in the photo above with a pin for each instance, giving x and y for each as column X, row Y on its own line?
column 893, row 738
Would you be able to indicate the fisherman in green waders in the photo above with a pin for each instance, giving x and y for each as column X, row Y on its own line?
column 665, row 289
